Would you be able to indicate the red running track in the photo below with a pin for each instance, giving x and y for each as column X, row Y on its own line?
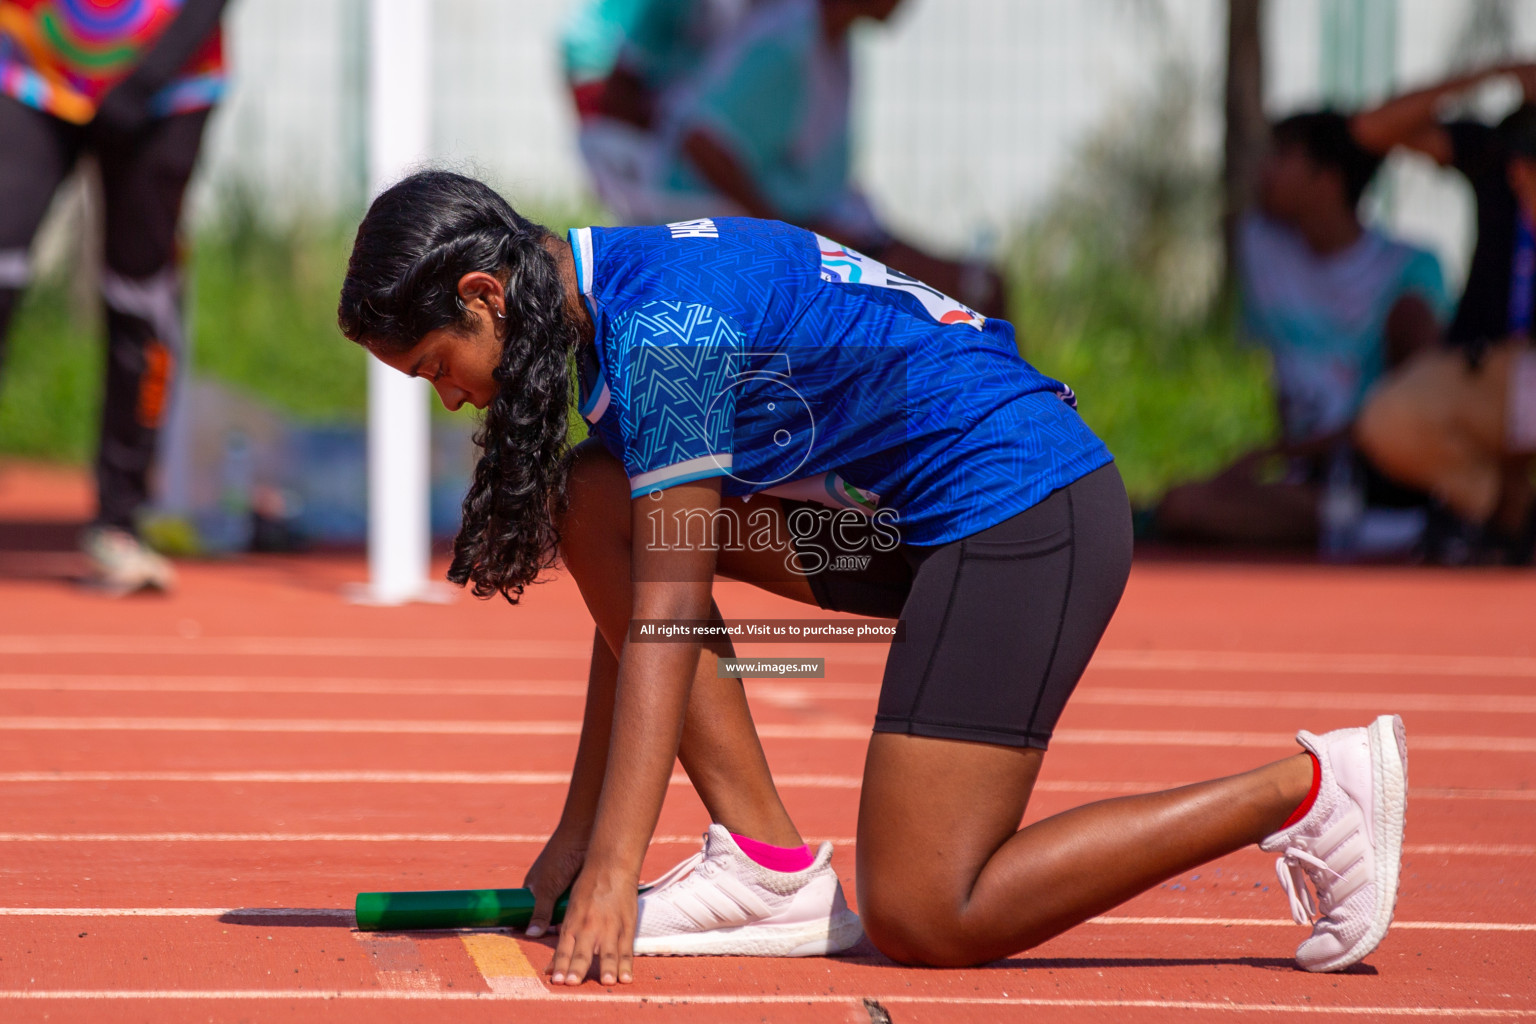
column 193, row 788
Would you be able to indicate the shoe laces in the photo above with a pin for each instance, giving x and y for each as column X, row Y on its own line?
column 1295, row 867
column 675, row 874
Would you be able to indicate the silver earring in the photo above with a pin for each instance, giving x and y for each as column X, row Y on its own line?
column 499, row 314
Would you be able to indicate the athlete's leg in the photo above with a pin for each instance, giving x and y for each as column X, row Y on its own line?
column 38, row 152
column 946, row 878
column 143, row 178
column 945, row 875
column 720, row 749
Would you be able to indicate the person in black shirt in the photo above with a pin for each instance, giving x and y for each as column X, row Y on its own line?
column 1460, row 422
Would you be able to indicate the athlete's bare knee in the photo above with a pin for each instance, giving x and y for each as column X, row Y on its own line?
column 911, row 929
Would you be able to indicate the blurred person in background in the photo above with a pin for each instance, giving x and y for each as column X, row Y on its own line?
column 1336, row 304
column 130, row 82
column 1460, row 421
column 763, row 131
column 623, row 59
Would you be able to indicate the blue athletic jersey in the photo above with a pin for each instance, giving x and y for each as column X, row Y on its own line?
column 782, row 362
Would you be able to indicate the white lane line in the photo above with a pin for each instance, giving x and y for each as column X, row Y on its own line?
column 293, row 725
column 775, row 693
column 336, row 913
column 295, row 647
column 1265, row 922
column 1444, row 849
column 769, row 730
column 560, row 778
column 1472, row 794
column 397, row 963
column 770, row 690
column 1394, row 702
column 345, row 916
column 1159, row 738
column 286, row 777
column 449, row 778
column 361, row 686
column 1476, row 849
column 370, row 686
column 1299, row 663
column 297, row 837
column 1292, row 662
column 775, row 998
column 772, row 693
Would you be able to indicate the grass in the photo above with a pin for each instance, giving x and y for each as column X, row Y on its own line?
column 50, row 388
column 1172, row 394
column 1174, row 398
column 262, row 318
column 262, row 305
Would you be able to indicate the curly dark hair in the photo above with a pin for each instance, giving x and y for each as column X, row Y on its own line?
column 417, row 240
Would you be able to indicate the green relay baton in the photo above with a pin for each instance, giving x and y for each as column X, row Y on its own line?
column 449, row 908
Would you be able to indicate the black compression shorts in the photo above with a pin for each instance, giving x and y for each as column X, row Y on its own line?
column 999, row 625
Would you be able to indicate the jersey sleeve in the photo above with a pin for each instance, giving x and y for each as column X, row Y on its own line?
column 674, row 365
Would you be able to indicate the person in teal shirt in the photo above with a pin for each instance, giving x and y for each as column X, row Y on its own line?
column 623, row 59
column 1336, row 304
column 763, row 130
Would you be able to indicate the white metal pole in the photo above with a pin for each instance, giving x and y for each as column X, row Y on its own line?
column 399, row 136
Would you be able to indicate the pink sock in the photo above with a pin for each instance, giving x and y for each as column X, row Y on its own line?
column 776, row 858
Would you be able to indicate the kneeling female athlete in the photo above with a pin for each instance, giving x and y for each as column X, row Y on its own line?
column 741, row 368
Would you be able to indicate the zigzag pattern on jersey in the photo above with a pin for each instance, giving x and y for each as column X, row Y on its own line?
column 944, row 421
column 673, row 396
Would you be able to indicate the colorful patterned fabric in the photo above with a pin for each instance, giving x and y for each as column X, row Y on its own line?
column 785, row 363
column 63, row 56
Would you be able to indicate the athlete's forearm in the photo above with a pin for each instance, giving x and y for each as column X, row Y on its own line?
column 718, row 166
column 654, row 684
column 1413, row 119
column 592, row 750
column 655, row 680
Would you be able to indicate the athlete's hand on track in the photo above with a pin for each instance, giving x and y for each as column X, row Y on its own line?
column 599, row 925
column 555, row 868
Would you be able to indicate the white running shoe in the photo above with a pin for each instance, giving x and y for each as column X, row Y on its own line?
column 720, row 902
column 1349, row 845
column 121, row 564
